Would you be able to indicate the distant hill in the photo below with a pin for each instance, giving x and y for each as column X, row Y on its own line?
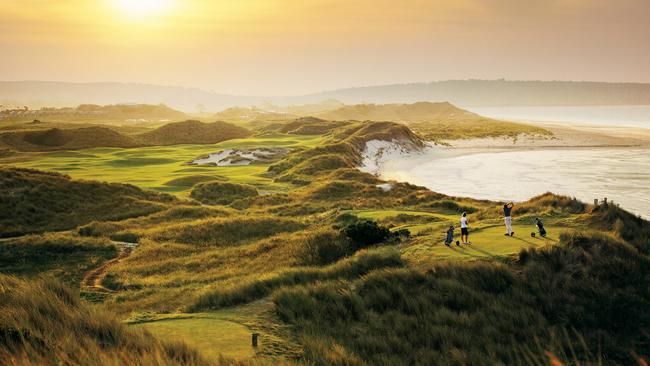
column 251, row 114
column 38, row 94
column 494, row 93
column 458, row 92
column 433, row 121
column 421, row 111
column 66, row 139
column 308, row 126
column 93, row 112
column 40, row 137
column 192, row 132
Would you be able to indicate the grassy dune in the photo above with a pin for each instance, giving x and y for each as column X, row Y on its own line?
column 285, row 264
column 44, row 322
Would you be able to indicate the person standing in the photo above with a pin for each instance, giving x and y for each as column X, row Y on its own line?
column 464, row 229
column 507, row 214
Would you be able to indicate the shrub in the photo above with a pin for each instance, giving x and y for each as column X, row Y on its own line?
column 126, row 237
column 324, row 247
column 97, row 229
column 365, row 233
column 452, row 206
column 220, row 193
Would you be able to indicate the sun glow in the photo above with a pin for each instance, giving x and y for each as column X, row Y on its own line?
column 142, row 8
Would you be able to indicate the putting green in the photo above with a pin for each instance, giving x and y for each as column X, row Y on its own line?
column 209, row 335
column 487, row 243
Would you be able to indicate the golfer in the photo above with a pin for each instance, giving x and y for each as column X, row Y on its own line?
column 464, row 230
column 507, row 209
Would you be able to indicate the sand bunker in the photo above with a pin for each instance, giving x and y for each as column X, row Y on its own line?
column 238, row 157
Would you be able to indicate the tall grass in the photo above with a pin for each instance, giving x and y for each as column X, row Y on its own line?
column 351, row 268
column 32, row 201
column 61, row 255
column 483, row 313
column 43, row 322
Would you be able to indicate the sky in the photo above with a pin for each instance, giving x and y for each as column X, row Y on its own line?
column 291, row 47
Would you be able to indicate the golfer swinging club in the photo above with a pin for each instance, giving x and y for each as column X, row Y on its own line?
column 507, row 209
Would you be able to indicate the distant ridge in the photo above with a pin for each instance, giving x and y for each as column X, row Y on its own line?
column 66, row 139
column 458, row 92
column 50, row 139
column 420, row 111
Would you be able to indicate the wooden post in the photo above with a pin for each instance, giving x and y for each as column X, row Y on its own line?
column 255, row 336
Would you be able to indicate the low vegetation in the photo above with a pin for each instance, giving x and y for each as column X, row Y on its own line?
column 34, row 201
column 588, row 287
column 43, row 322
column 220, row 193
column 63, row 256
column 348, row 269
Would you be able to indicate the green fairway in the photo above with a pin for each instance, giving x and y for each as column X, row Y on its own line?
column 210, row 334
column 487, row 243
column 154, row 167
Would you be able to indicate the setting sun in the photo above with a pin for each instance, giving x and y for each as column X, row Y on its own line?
column 143, row 7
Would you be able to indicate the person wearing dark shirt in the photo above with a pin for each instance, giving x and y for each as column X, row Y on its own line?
column 507, row 210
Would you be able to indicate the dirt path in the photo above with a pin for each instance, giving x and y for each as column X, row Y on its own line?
column 92, row 280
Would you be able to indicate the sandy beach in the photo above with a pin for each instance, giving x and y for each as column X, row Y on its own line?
column 565, row 135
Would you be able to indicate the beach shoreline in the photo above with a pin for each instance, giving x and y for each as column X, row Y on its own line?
column 563, row 135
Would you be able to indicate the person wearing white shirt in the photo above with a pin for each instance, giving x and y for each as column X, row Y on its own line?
column 464, row 229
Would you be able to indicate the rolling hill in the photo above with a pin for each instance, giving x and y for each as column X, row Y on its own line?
column 33, row 201
column 192, row 132
column 66, row 139
column 94, row 113
column 41, row 137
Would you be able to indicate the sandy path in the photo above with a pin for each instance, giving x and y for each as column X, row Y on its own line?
column 92, row 280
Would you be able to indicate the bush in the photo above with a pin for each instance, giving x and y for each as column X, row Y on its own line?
column 452, row 206
column 219, row 193
column 125, row 237
column 324, row 247
column 365, row 233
